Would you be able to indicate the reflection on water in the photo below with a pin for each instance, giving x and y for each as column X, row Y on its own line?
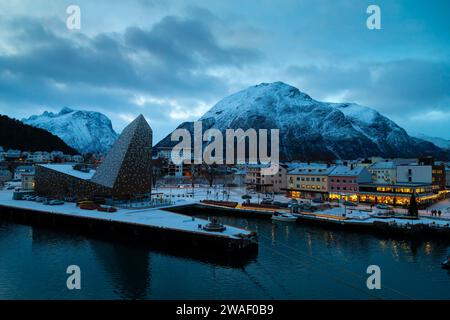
column 293, row 262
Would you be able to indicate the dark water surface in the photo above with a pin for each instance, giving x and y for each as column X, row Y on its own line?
column 293, row 262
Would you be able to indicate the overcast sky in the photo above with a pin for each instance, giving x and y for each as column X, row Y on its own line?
column 173, row 60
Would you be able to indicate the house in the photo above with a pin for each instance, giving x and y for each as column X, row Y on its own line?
column 13, row 155
column 309, row 181
column 384, row 172
column 274, row 183
column 27, row 181
column 39, row 157
column 343, row 182
column 21, row 170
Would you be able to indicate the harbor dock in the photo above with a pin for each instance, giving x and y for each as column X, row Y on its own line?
column 347, row 219
column 154, row 224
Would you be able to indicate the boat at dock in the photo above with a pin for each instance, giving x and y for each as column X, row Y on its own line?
column 284, row 217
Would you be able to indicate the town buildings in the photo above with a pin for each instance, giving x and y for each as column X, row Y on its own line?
column 343, row 182
column 20, row 170
column 383, row 172
column 275, row 183
column 309, row 181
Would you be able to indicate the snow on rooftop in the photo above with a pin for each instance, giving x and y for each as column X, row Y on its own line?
column 383, row 165
column 346, row 171
column 69, row 170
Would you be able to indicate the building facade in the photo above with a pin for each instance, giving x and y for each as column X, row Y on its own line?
column 384, row 172
column 124, row 173
column 274, row 183
column 309, row 181
column 343, row 182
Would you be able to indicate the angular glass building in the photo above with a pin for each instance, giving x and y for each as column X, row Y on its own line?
column 124, row 173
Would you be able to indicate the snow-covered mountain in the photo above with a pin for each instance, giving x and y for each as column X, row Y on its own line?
column 440, row 142
column 86, row 131
column 311, row 129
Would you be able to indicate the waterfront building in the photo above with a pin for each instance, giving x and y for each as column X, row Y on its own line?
column 275, row 183
column 384, row 172
column 309, row 181
column 398, row 194
column 425, row 171
column 124, row 173
column 343, row 182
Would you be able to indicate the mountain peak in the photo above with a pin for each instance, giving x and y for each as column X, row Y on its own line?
column 65, row 110
column 86, row 131
column 311, row 129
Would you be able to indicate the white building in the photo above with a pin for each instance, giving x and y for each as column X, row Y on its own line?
column 384, row 172
column 13, row 154
column 414, row 174
column 39, row 157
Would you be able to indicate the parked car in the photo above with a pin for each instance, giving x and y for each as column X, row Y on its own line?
column 317, row 200
column 40, row 199
column 10, row 188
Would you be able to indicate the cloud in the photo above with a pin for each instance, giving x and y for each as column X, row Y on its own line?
column 392, row 87
column 53, row 67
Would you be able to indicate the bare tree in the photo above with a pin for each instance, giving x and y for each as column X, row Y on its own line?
column 209, row 172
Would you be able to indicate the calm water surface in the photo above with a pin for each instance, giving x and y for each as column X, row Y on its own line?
column 293, row 262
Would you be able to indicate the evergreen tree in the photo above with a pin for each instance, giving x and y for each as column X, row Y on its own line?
column 413, row 209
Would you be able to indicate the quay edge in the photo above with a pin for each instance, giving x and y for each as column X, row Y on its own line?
column 164, row 237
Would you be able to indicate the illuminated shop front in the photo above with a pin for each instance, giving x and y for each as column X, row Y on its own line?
column 344, row 197
column 398, row 194
column 297, row 194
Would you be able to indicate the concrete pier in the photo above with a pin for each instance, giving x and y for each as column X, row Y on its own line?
column 150, row 224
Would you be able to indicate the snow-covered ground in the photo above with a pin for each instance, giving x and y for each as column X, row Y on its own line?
column 214, row 193
column 151, row 217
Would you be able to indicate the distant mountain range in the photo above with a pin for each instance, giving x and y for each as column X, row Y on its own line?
column 16, row 135
column 85, row 131
column 313, row 130
column 440, row 142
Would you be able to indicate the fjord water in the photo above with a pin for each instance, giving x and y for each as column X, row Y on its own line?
column 293, row 262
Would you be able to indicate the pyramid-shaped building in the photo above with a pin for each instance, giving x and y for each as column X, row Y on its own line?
column 125, row 172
